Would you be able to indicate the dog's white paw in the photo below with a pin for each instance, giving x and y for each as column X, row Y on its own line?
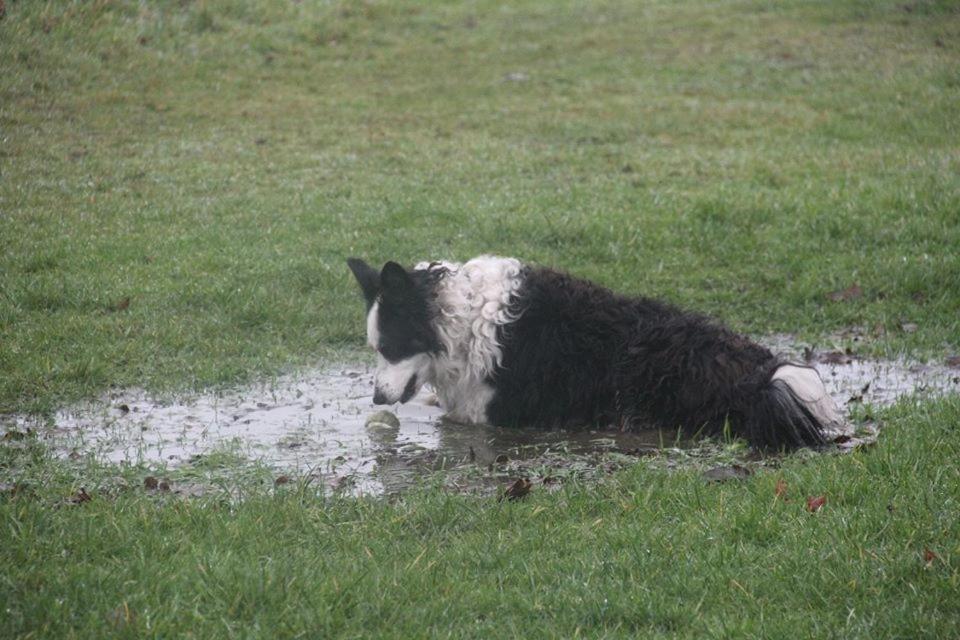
column 430, row 399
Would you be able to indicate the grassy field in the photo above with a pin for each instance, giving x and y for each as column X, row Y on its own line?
column 644, row 554
column 181, row 181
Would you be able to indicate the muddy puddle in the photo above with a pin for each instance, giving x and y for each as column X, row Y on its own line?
column 851, row 379
column 314, row 425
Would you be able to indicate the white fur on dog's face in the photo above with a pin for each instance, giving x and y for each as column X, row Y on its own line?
column 450, row 342
column 399, row 381
column 395, row 381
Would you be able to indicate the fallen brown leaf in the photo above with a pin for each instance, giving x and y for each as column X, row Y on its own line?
column 280, row 480
column 781, row 489
column 518, row 489
column 150, row 483
column 814, row 504
column 929, row 556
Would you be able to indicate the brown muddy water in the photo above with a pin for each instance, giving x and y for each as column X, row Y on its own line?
column 315, row 425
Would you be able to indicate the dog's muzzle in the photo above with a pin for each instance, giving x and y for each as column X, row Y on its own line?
column 380, row 398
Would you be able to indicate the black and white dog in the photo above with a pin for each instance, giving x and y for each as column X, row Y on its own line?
column 509, row 344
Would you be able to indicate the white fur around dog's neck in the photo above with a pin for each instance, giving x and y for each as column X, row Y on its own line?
column 473, row 300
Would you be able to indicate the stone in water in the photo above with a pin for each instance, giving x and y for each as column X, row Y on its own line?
column 383, row 419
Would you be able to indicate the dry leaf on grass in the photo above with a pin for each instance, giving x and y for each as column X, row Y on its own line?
column 781, row 489
column 517, row 490
column 814, row 504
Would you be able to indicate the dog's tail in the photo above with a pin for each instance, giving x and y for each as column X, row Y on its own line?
column 784, row 406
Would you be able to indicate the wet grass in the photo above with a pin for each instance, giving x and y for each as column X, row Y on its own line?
column 642, row 553
column 181, row 181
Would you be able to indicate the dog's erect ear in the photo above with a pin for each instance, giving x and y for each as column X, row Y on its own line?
column 394, row 279
column 368, row 278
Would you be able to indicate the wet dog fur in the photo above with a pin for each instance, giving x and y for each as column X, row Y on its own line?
column 510, row 344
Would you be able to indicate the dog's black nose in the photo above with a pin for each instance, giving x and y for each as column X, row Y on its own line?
column 379, row 398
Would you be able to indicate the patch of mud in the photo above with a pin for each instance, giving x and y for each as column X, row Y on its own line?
column 308, row 425
column 851, row 379
column 315, row 426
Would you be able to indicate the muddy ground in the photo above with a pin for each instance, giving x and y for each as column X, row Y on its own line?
column 315, row 426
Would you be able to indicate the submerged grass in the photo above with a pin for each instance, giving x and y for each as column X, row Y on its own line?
column 181, row 181
column 644, row 553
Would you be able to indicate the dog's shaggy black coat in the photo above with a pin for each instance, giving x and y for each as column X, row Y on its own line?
column 578, row 354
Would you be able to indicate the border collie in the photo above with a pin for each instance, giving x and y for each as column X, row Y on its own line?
column 510, row 344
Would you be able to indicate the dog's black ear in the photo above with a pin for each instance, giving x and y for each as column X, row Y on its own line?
column 395, row 279
column 368, row 278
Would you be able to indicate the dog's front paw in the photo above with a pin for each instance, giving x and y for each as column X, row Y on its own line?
column 430, row 399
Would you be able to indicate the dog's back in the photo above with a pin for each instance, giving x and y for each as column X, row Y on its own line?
column 579, row 354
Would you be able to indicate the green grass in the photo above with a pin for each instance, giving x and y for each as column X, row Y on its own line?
column 214, row 162
column 180, row 182
column 643, row 554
